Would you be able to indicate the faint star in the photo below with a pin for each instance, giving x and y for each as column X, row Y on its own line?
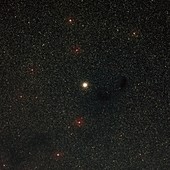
column 135, row 33
column 70, row 20
column 79, row 122
column 76, row 49
column 21, row 96
column 32, row 70
column 57, row 155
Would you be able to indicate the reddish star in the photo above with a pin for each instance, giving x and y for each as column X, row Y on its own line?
column 20, row 97
column 57, row 155
column 70, row 20
column 4, row 163
column 79, row 122
column 32, row 70
column 76, row 49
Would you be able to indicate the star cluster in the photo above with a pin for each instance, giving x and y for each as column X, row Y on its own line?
column 84, row 85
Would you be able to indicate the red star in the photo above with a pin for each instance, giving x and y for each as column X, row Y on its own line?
column 57, row 155
column 32, row 70
column 70, row 20
column 4, row 163
column 76, row 49
column 79, row 122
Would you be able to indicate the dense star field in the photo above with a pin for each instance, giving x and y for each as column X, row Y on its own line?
column 84, row 85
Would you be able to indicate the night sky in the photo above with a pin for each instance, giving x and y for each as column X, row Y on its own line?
column 84, row 85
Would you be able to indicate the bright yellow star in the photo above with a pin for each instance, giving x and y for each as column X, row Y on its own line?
column 85, row 85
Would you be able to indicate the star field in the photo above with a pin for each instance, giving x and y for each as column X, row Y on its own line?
column 84, row 85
